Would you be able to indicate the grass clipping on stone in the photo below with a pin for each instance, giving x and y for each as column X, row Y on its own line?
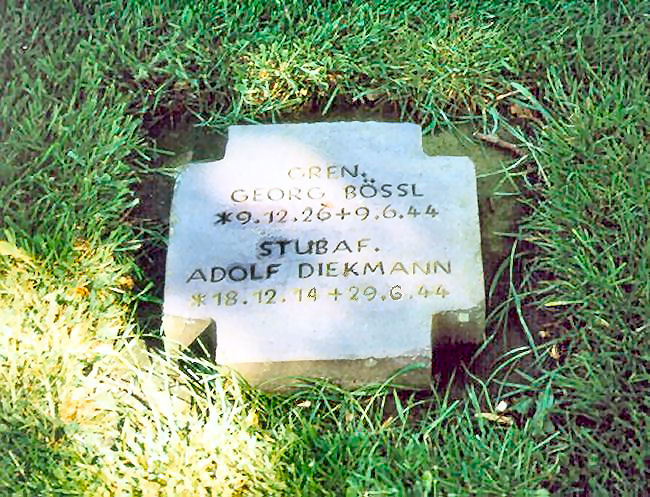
column 126, row 420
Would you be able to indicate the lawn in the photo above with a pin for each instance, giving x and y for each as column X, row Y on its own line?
column 89, row 89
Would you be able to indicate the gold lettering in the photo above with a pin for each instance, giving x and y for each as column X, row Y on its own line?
column 241, row 196
column 398, row 266
column 354, row 172
column 438, row 264
column 342, row 245
column 298, row 170
column 425, row 270
column 378, row 267
column 196, row 275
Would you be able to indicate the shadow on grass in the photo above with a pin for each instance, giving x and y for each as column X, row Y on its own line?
column 34, row 465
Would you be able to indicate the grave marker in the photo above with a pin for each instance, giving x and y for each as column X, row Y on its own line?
column 325, row 249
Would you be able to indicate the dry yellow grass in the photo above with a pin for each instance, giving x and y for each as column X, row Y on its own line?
column 136, row 422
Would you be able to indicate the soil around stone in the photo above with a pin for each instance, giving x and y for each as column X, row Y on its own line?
column 499, row 212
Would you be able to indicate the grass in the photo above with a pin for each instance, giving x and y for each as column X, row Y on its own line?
column 87, row 90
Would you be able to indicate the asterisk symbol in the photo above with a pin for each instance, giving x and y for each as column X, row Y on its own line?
column 198, row 299
column 223, row 217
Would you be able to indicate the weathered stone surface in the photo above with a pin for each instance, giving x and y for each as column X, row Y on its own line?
column 326, row 249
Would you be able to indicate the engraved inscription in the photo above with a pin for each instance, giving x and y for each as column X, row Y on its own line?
column 324, row 241
column 296, row 207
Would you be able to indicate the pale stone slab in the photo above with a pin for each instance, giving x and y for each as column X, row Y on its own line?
column 326, row 249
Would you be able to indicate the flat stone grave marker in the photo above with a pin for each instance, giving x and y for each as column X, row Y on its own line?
column 334, row 250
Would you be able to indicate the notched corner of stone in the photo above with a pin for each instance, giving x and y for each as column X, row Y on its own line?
column 459, row 326
column 189, row 168
column 182, row 163
column 181, row 332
